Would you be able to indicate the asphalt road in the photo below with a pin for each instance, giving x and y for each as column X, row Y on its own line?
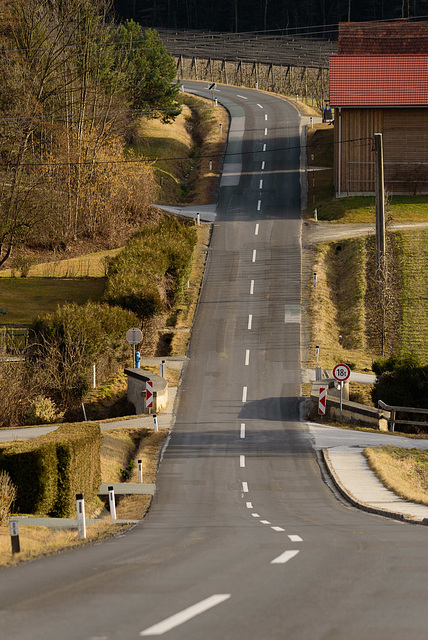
column 244, row 540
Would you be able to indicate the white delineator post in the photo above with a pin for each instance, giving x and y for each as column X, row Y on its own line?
column 14, row 536
column 140, row 471
column 155, row 422
column 112, row 503
column 81, row 520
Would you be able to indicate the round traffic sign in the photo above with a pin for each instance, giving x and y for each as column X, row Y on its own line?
column 341, row 372
column 134, row 335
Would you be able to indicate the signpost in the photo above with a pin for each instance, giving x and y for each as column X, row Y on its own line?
column 341, row 373
column 134, row 336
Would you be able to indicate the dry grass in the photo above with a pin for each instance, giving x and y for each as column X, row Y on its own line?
column 404, row 471
column 118, row 447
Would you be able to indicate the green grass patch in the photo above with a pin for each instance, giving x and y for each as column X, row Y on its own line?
column 25, row 299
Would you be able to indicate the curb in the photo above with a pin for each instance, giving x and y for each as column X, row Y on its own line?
column 401, row 517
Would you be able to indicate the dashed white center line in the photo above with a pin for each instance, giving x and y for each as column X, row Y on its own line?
column 256, row 230
column 250, row 321
column 244, row 394
column 265, row 521
column 251, row 287
column 265, row 116
column 284, row 557
column 255, row 515
column 185, row 615
column 245, row 487
column 260, row 105
column 261, row 184
column 254, row 255
column 264, row 147
column 243, row 97
column 249, row 505
column 265, row 131
column 247, row 357
column 263, row 165
column 242, row 461
column 242, row 433
column 259, row 205
column 294, row 538
column 277, row 528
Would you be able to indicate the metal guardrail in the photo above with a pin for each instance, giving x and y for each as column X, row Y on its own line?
column 392, row 421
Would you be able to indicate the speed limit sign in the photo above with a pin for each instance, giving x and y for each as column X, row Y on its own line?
column 341, row 372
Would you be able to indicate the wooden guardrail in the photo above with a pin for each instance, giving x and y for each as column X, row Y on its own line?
column 392, row 421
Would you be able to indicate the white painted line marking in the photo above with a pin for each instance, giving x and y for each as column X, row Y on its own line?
column 249, row 505
column 265, row 521
column 185, row 615
column 263, row 165
column 264, row 147
column 247, row 357
column 284, row 557
column 260, row 105
column 254, row 255
column 259, row 205
column 251, row 287
column 256, row 230
column 242, row 430
column 243, row 97
column 255, row 515
column 265, row 116
column 250, row 321
column 294, row 538
column 242, row 461
column 265, row 131
column 245, row 487
column 261, row 184
column 278, row 529
column 244, row 394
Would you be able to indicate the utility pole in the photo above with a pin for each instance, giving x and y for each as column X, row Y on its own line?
column 380, row 202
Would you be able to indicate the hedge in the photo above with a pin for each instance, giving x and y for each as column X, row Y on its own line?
column 50, row 470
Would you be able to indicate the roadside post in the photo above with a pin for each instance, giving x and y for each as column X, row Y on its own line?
column 162, row 369
column 134, row 336
column 14, row 536
column 341, row 373
column 149, row 395
column 137, row 359
column 155, row 422
column 140, row 472
column 317, row 353
column 112, row 503
column 322, row 401
column 81, row 520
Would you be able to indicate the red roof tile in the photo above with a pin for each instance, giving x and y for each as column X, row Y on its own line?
column 382, row 80
column 399, row 36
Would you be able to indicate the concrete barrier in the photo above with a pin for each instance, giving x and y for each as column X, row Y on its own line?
column 137, row 379
column 352, row 412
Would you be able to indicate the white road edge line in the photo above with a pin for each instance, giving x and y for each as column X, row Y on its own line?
column 245, row 487
column 284, row 557
column 242, row 430
column 185, row 615
column 295, row 538
column 244, row 394
column 242, row 461
column 250, row 321
column 247, row 357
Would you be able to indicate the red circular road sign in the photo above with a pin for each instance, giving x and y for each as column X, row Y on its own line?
column 341, row 372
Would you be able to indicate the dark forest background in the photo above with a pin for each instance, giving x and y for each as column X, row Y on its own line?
column 261, row 15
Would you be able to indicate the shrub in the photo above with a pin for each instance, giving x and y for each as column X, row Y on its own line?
column 401, row 381
column 8, row 493
column 43, row 411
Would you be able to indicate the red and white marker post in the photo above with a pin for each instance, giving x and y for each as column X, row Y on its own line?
column 149, row 394
column 322, row 401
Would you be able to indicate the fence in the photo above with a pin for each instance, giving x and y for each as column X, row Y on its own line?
column 392, row 421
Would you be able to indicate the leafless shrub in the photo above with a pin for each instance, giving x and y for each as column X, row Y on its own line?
column 8, row 493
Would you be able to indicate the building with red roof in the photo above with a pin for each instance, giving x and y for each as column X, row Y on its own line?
column 379, row 84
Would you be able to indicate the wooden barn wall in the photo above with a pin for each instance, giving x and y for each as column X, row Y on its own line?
column 405, row 139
